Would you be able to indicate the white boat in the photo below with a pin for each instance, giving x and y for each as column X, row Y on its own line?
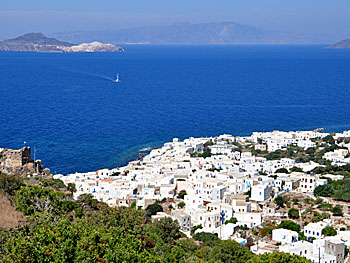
column 117, row 79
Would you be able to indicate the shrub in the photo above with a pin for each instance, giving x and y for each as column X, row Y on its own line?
column 337, row 210
column 10, row 184
column 293, row 213
column 153, row 209
column 288, row 224
column 329, row 231
column 181, row 205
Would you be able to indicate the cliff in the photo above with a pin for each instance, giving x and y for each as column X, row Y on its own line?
column 38, row 42
column 344, row 44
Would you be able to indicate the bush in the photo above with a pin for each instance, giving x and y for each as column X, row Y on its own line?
column 193, row 230
column 153, row 209
column 230, row 251
column 205, row 237
column 337, row 210
column 326, row 190
column 181, row 205
column 182, row 194
column 293, row 213
column 232, row 220
column 288, row 224
column 280, row 201
column 281, row 170
column 10, row 184
column 329, row 231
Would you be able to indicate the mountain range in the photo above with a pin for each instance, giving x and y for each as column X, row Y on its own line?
column 187, row 33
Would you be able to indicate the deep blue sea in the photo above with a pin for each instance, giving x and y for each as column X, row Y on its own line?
column 68, row 107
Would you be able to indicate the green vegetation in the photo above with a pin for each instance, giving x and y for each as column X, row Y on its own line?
column 329, row 231
column 339, row 190
column 232, row 220
column 9, row 184
column 153, row 209
column 281, row 170
column 63, row 230
column 288, row 224
column 337, row 210
column 182, row 194
column 181, row 205
column 195, row 228
column 293, row 213
column 280, row 201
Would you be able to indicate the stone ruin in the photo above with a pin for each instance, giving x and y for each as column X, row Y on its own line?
column 19, row 162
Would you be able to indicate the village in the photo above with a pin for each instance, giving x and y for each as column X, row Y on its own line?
column 271, row 191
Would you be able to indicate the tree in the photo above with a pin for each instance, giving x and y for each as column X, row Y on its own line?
column 278, row 257
column 230, row 251
column 181, row 205
column 281, row 170
column 33, row 198
column 337, row 210
column 329, row 139
column 288, row 224
column 329, row 231
column 205, row 237
column 280, row 201
column 293, row 213
column 182, row 194
column 296, row 169
column 326, row 190
column 232, row 220
column 71, row 188
column 153, row 209
column 10, row 184
column 193, row 229
column 165, row 229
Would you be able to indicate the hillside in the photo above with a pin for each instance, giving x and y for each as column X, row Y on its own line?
column 33, row 42
column 344, row 44
column 187, row 33
column 38, row 42
column 60, row 229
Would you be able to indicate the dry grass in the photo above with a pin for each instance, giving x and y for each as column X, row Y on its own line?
column 9, row 217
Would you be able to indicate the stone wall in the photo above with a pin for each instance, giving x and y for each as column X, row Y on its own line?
column 19, row 162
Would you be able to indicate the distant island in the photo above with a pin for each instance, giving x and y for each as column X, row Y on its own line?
column 344, row 44
column 221, row 33
column 38, row 42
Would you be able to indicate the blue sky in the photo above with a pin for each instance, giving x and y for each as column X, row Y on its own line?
column 317, row 17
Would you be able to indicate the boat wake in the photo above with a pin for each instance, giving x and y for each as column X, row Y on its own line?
column 89, row 74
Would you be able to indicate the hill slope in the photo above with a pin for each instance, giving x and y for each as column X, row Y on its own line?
column 344, row 44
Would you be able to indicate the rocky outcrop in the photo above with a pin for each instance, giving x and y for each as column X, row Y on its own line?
column 19, row 162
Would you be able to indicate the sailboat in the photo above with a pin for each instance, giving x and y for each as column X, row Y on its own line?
column 117, row 79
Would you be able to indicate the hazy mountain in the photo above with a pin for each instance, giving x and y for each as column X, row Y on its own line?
column 344, row 44
column 187, row 33
column 38, row 42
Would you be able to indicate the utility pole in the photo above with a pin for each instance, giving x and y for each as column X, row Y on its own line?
column 319, row 254
column 34, row 154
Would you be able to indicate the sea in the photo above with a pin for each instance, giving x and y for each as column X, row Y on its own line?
column 68, row 108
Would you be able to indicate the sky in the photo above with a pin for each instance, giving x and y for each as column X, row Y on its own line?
column 322, row 18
